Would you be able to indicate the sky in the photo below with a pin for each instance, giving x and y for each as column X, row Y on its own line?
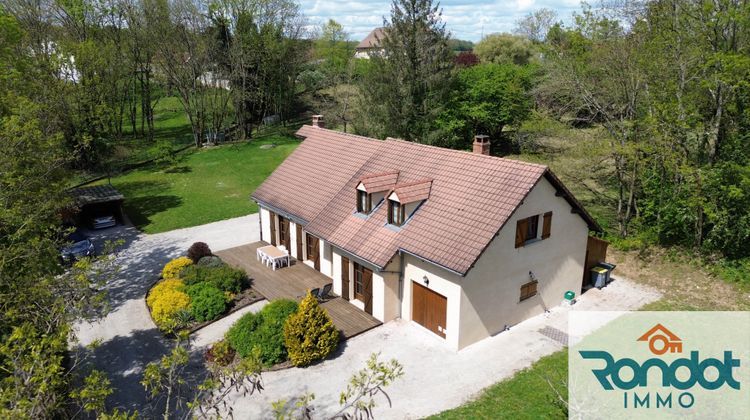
column 465, row 19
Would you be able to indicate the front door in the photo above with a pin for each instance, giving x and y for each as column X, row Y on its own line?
column 428, row 309
column 313, row 251
column 363, row 286
column 345, row 278
column 285, row 237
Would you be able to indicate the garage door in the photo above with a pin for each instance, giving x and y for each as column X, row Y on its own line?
column 428, row 309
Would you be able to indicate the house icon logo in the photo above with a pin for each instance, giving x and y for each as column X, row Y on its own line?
column 660, row 340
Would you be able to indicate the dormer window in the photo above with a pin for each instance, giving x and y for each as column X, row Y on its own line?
column 364, row 202
column 396, row 213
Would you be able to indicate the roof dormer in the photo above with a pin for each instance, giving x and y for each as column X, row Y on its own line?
column 405, row 199
column 371, row 190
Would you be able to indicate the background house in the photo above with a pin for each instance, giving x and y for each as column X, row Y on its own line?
column 464, row 244
column 371, row 44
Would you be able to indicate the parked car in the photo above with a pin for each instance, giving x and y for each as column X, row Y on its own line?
column 101, row 222
column 80, row 247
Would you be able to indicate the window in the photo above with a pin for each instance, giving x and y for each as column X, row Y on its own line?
column 359, row 285
column 396, row 212
column 527, row 230
column 528, row 290
column 364, row 202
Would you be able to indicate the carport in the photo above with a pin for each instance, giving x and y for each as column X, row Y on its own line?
column 97, row 200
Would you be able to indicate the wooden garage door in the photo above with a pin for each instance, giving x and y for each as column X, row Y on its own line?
column 428, row 309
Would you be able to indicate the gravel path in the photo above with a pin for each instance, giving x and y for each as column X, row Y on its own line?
column 128, row 338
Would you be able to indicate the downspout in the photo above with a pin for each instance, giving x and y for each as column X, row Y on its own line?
column 260, row 223
column 400, row 283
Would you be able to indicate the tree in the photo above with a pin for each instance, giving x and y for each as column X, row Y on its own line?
column 309, row 334
column 485, row 99
column 407, row 85
column 536, row 24
column 504, row 49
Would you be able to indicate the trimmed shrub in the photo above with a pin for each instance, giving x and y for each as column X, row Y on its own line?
column 224, row 278
column 263, row 331
column 198, row 250
column 206, row 302
column 309, row 334
column 168, row 303
column 210, row 261
column 240, row 335
column 173, row 268
column 269, row 337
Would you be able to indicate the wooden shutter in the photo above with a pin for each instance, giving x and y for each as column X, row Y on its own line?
column 273, row 228
column 367, row 283
column 316, row 253
column 547, row 225
column 521, row 227
column 299, row 242
column 345, row 278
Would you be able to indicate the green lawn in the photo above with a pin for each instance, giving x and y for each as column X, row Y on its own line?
column 203, row 186
column 527, row 395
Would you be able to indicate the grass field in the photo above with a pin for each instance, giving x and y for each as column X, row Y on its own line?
column 203, row 186
column 527, row 395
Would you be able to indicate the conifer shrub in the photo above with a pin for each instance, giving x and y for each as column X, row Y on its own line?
column 309, row 334
column 173, row 268
column 263, row 331
column 210, row 261
column 198, row 250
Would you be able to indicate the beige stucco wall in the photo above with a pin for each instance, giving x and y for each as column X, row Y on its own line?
column 265, row 224
column 491, row 290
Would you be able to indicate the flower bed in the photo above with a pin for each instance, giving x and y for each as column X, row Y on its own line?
column 194, row 293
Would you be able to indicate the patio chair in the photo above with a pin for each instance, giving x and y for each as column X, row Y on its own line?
column 313, row 292
column 325, row 291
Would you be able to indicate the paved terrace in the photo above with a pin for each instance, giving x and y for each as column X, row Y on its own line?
column 293, row 282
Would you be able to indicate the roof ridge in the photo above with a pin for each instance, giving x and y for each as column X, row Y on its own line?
column 466, row 152
column 379, row 174
column 341, row 133
column 412, row 183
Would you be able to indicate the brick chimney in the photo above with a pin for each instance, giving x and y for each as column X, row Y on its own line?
column 482, row 144
column 318, row 121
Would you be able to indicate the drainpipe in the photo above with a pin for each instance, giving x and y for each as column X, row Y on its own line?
column 260, row 223
column 400, row 283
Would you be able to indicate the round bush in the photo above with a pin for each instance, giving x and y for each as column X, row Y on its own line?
column 210, row 261
column 206, row 302
column 220, row 353
column 198, row 250
column 309, row 334
column 173, row 268
column 168, row 303
column 240, row 335
column 264, row 330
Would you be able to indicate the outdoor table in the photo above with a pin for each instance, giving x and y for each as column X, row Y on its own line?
column 275, row 256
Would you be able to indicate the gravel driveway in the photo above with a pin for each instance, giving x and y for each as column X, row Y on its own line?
column 129, row 339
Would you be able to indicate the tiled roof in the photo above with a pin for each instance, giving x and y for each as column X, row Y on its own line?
column 471, row 196
column 380, row 182
column 372, row 40
column 413, row 191
column 96, row 194
column 311, row 176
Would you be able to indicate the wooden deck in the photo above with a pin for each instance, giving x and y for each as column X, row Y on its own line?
column 292, row 283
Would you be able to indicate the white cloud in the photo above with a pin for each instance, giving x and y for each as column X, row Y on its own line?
column 465, row 19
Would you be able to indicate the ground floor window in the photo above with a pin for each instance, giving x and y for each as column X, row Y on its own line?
column 528, row 290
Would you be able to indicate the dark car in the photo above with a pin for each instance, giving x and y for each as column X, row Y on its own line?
column 103, row 221
column 80, row 246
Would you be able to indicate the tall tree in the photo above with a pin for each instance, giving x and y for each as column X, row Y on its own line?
column 407, row 84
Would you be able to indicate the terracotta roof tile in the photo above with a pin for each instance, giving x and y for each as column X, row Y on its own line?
column 372, row 40
column 380, row 182
column 469, row 196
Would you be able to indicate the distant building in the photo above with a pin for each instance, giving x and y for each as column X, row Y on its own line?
column 371, row 44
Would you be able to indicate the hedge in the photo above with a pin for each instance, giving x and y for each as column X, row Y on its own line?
column 264, row 330
column 206, row 302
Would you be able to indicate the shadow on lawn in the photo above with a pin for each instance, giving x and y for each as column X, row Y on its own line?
column 141, row 209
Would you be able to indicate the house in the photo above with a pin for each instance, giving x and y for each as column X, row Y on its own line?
column 464, row 244
column 371, row 44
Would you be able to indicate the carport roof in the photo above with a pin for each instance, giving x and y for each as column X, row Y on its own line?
column 96, row 194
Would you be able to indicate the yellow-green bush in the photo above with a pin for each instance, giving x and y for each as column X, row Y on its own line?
column 166, row 300
column 309, row 334
column 172, row 269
